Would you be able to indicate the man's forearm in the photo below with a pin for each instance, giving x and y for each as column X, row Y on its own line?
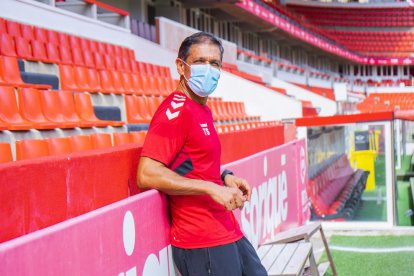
column 154, row 175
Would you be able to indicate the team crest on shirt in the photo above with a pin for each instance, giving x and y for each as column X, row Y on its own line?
column 176, row 103
column 204, row 127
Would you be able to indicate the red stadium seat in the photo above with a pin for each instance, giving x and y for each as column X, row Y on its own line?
column 23, row 48
column 67, row 102
column 5, row 153
column 137, row 84
column 65, row 55
column 64, row 40
column 118, row 50
column 67, row 78
column 52, row 109
column 101, row 140
column 53, row 37
column 31, row 108
column 27, row 32
column 98, row 60
column 93, row 46
column 110, row 49
column 9, row 111
column 117, row 81
column 102, row 49
column 3, row 28
column 82, row 78
column 85, row 111
column 109, row 62
column 7, row 45
column 39, row 51
column 59, row 146
column 127, row 83
column 74, row 42
column 80, row 143
column 94, row 81
column 52, row 52
column 13, row 28
column 88, row 59
column 85, row 44
column 120, row 138
column 77, row 57
column 28, row 149
column 138, row 136
column 40, row 34
column 137, row 110
column 107, row 83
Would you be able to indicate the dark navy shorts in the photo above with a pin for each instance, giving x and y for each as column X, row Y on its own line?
column 233, row 259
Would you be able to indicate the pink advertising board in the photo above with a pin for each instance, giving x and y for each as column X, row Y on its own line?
column 131, row 236
column 286, row 26
column 278, row 179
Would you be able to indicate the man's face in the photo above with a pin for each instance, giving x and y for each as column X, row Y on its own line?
column 204, row 53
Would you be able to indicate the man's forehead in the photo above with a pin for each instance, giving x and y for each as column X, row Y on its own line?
column 204, row 50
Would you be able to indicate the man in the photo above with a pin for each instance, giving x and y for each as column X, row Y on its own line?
column 181, row 157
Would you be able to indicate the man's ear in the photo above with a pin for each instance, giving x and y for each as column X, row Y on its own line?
column 180, row 66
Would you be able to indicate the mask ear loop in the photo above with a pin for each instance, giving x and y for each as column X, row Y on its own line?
column 188, row 66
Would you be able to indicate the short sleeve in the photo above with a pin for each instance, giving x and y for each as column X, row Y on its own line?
column 167, row 133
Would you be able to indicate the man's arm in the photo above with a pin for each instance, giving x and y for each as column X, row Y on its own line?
column 155, row 175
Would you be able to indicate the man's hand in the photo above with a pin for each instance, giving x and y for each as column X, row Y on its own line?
column 230, row 197
column 240, row 183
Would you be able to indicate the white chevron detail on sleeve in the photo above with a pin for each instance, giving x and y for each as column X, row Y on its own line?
column 179, row 99
column 176, row 105
column 171, row 115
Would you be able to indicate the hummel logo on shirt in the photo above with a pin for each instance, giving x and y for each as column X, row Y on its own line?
column 177, row 102
column 204, row 127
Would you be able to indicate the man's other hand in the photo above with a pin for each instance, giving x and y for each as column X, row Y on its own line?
column 230, row 197
column 240, row 183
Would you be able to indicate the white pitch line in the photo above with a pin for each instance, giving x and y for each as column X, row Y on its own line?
column 373, row 250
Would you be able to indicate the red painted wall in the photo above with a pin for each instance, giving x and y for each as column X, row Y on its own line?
column 41, row 192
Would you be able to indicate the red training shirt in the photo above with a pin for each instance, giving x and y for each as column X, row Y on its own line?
column 182, row 136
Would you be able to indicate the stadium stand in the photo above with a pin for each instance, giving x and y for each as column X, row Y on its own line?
column 386, row 102
column 334, row 189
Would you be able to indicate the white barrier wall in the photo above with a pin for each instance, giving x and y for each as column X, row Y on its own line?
column 291, row 77
column 320, row 83
column 390, row 89
column 258, row 100
column 172, row 33
column 327, row 106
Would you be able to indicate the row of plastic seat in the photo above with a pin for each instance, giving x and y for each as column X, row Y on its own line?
column 328, row 190
column 325, row 92
column 361, row 23
column 31, row 148
column 50, row 53
column 45, row 109
column 386, row 101
column 78, row 78
column 232, row 68
column 140, row 109
column 229, row 111
column 227, row 128
column 338, row 11
column 33, row 33
column 373, row 35
column 10, row 74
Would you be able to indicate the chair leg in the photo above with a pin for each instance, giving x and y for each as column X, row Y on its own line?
column 328, row 253
column 313, row 267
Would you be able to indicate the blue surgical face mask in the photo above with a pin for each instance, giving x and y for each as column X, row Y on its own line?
column 203, row 79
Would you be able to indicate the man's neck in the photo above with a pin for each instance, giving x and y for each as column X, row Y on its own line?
column 183, row 88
